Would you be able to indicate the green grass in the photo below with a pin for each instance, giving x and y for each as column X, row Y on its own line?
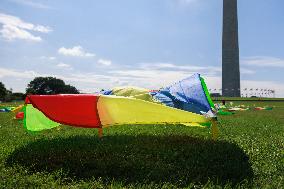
column 249, row 153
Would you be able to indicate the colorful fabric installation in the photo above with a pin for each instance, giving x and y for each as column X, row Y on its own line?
column 11, row 109
column 230, row 110
column 186, row 102
column 263, row 108
column 96, row 111
column 6, row 109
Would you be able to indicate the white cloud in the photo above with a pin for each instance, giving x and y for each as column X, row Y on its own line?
column 264, row 61
column 42, row 29
column 203, row 70
column 170, row 66
column 10, row 33
column 158, row 74
column 31, row 4
column 47, row 58
column 15, row 73
column 63, row 65
column 188, row 69
column 105, row 62
column 17, row 22
column 143, row 75
column 15, row 28
column 75, row 51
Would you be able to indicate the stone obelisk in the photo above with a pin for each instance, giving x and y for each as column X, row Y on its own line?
column 230, row 50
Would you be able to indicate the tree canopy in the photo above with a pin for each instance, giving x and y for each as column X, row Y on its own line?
column 49, row 86
column 3, row 91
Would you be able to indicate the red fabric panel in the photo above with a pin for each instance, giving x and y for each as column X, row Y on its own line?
column 74, row 110
column 27, row 100
column 20, row 115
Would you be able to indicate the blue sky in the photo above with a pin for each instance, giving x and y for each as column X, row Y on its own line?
column 148, row 43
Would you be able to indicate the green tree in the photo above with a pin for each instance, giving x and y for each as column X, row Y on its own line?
column 3, row 91
column 8, row 96
column 18, row 96
column 49, row 86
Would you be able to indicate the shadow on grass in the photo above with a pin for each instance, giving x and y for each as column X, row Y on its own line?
column 132, row 159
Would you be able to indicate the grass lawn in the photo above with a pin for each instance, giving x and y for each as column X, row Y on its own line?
column 248, row 153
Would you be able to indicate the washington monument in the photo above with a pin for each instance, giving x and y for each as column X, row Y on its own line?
column 230, row 50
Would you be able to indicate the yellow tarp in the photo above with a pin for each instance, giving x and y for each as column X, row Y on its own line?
column 121, row 110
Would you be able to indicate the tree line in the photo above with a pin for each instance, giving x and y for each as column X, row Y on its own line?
column 38, row 86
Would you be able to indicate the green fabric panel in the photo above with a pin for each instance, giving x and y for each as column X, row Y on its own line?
column 35, row 120
column 25, row 117
column 221, row 112
column 208, row 124
column 207, row 93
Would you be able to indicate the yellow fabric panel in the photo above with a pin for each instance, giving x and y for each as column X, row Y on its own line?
column 121, row 110
column 146, row 97
column 134, row 92
column 17, row 109
column 129, row 91
column 192, row 124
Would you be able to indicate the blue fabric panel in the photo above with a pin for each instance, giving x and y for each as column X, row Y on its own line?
column 190, row 91
column 4, row 110
column 108, row 92
column 163, row 97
